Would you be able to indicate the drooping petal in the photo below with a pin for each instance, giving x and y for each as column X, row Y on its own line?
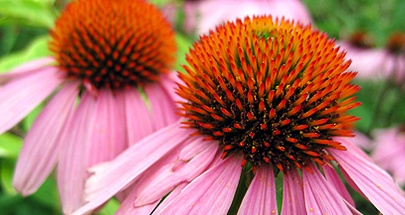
column 320, row 196
column 163, row 107
column 136, row 111
column 39, row 153
column 375, row 183
column 111, row 177
column 334, row 179
column 261, row 195
column 181, row 170
column 21, row 96
column 72, row 164
column 26, row 69
column 108, row 134
column 210, row 193
column 293, row 194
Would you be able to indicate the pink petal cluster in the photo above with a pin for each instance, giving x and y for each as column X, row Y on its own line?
column 375, row 63
column 75, row 137
column 389, row 152
column 201, row 16
column 201, row 182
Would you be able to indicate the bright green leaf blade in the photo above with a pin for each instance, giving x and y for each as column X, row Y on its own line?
column 183, row 44
column 38, row 48
column 37, row 13
column 10, row 145
column 110, row 207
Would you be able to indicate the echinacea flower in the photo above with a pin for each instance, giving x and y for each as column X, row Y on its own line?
column 108, row 54
column 202, row 16
column 389, row 151
column 376, row 63
column 264, row 93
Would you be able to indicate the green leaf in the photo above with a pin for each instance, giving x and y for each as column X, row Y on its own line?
column 48, row 194
column 183, row 44
column 110, row 207
column 10, row 145
column 38, row 48
column 37, row 13
column 7, row 168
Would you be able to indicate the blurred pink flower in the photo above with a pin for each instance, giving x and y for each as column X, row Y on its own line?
column 204, row 15
column 103, row 75
column 375, row 63
column 244, row 105
column 389, row 151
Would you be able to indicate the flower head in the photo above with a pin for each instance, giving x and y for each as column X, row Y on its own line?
column 104, row 52
column 269, row 92
column 205, row 15
column 381, row 63
column 276, row 92
column 113, row 44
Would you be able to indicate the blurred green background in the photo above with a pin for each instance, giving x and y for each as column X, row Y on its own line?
column 24, row 26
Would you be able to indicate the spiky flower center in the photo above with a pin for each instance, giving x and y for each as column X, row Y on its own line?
column 114, row 43
column 271, row 90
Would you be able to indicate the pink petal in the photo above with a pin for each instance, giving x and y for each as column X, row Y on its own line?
column 389, row 150
column 169, row 84
column 39, row 153
column 375, row 183
column 139, row 119
column 128, row 207
column 163, row 106
column 136, row 189
column 21, row 96
column 111, row 177
column 26, row 69
column 334, row 179
column 72, row 164
column 293, row 194
column 201, row 195
column 177, row 172
column 173, row 194
column 261, row 195
column 108, row 134
column 320, row 196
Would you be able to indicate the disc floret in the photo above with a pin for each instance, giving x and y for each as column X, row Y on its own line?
column 113, row 44
column 274, row 90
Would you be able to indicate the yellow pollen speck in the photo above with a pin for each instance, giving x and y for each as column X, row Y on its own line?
column 260, row 179
column 273, row 212
column 312, row 209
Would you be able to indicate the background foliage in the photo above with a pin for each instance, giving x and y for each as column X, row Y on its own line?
column 24, row 26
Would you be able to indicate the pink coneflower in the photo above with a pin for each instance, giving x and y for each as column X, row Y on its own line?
column 106, row 54
column 205, row 15
column 268, row 94
column 389, row 151
column 376, row 63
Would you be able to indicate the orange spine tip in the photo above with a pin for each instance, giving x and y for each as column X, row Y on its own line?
column 299, row 127
column 226, row 112
column 308, row 113
column 291, row 140
column 310, row 135
column 228, row 147
column 294, row 110
column 311, row 153
column 300, row 146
